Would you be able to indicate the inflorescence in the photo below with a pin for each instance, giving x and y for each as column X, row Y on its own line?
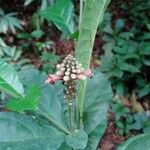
column 69, row 71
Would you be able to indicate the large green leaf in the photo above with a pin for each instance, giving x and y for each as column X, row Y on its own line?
column 29, row 102
column 78, row 139
column 140, row 142
column 9, row 81
column 60, row 14
column 92, row 16
column 21, row 132
column 48, row 101
column 97, row 97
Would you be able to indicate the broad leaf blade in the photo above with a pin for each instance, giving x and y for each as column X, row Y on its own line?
column 9, row 81
column 30, row 102
column 96, row 108
column 19, row 131
column 60, row 14
column 78, row 139
column 48, row 101
column 139, row 142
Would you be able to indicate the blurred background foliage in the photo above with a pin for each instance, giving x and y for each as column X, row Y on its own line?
column 36, row 34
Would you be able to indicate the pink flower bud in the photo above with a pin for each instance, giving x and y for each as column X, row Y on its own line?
column 87, row 73
column 53, row 78
column 81, row 77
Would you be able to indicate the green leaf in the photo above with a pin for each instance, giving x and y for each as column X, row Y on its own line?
column 146, row 36
column 137, row 126
column 119, row 24
column 74, row 36
column 9, row 81
column 121, row 50
column 136, row 143
column 129, row 62
column 60, row 14
column 37, row 33
column 64, row 146
column 9, row 21
column 120, row 125
column 120, row 89
column 48, row 101
column 109, row 45
column 19, row 131
column 145, row 54
column 146, row 130
column 92, row 16
column 2, row 43
column 96, row 107
column 23, row 35
column 78, row 139
column 126, row 35
column 141, row 117
column 144, row 91
column 29, row 102
column 108, row 62
column 27, row 2
column 116, row 72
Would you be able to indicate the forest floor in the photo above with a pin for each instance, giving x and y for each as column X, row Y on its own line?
column 111, row 138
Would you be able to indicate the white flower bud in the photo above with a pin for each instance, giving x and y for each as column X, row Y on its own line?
column 67, row 92
column 73, row 63
column 69, row 55
column 70, row 103
column 67, row 73
column 62, row 65
column 74, row 70
column 66, row 78
column 78, row 67
column 58, row 66
column 68, row 69
column 64, row 61
column 73, row 76
column 63, row 69
column 78, row 70
column 67, row 66
column 59, row 73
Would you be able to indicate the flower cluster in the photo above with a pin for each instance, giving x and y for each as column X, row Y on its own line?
column 69, row 71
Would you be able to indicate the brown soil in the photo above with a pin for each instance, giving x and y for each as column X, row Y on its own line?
column 111, row 138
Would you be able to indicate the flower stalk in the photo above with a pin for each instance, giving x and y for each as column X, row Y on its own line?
column 68, row 72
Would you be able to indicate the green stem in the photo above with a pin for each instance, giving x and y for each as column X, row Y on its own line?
column 77, row 113
column 51, row 119
column 70, row 117
column 81, row 123
column 80, row 13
